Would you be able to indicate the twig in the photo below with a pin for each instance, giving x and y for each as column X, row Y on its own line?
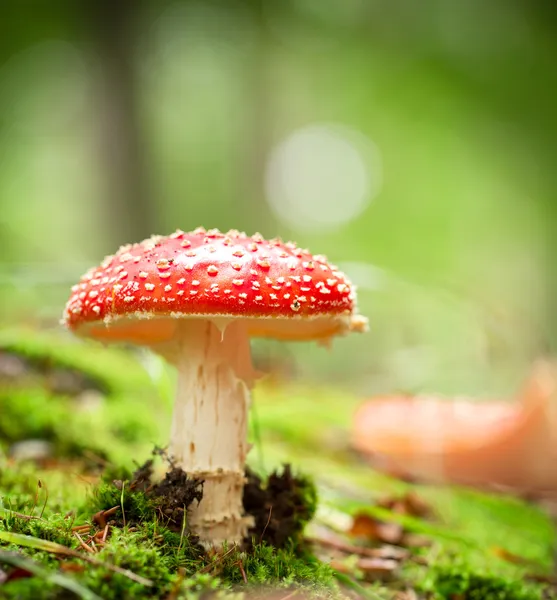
column 83, row 544
column 82, row 528
column 100, row 517
column 242, row 571
column 398, row 553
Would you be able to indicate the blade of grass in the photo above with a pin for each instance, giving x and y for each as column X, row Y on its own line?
column 36, row 543
column 20, row 562
column 353, row 585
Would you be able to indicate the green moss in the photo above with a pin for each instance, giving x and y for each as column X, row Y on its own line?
column 113, row 370
column 467, row 528
column 56, row 528
column 116, row 426
column 134, row 552
column 143, row 540
column 280, row 567
column 458, row 580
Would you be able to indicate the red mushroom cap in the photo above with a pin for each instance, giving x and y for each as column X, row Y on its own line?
column 213, row 275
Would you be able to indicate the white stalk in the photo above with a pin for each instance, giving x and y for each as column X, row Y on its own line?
column 210, row 422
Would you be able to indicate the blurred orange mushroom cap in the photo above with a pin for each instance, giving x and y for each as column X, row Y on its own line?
column 490, row 443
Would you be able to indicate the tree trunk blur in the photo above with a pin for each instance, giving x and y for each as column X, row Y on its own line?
column 260, row 105
column 128, row 208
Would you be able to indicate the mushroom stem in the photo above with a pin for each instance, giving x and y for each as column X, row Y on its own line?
column 210, row 421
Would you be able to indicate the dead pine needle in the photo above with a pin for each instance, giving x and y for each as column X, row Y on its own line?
column 218, row 560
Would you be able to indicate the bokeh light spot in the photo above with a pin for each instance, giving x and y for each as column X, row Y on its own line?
column 322, row 176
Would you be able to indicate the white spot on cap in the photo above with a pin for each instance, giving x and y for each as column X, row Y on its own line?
column 264, row 263
column 149, row 287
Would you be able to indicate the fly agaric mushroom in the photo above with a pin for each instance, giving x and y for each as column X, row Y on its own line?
column 196, row 299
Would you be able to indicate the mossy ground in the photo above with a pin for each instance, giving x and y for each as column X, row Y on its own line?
column 477, row 545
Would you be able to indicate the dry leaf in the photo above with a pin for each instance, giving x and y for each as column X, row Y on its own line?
column 377, row 569
column 365, row 526
column 409, row 504
column 415, row 540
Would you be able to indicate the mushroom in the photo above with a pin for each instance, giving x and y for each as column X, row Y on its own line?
column 483, row 444
column 196, row 299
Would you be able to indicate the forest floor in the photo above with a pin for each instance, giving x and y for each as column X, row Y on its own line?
column 80, row 518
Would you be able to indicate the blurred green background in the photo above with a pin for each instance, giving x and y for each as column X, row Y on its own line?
column 412, row 143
